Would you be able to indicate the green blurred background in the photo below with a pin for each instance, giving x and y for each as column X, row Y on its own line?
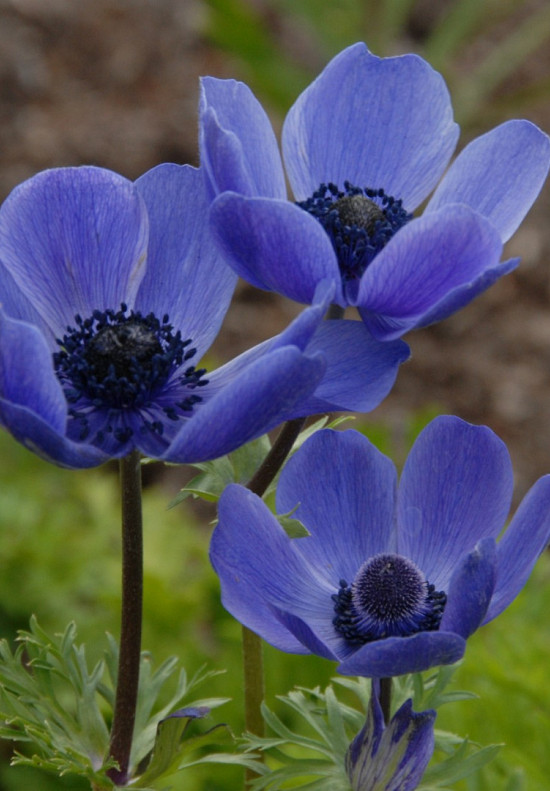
column 115, row 83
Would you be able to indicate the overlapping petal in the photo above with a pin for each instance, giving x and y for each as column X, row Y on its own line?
column 240, row 149
column 84, row 253
column 386, row 125
column 374, row 122
column 428, row 259
column 349, row 507
column 74, row 240
column 274, row 245
column 185, row 276
column 499, row 175
column 452, row 503
column 456, row 488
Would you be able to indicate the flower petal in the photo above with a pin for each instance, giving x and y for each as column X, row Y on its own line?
column 455, row 489
column 499, row 175
column 32, row 404
column 525, row 538
column 186, row 276
column 424, row 262
column 360, row 370
column 345, row 490
column 470, row 590
column 75, row 240
column 463, row 295
column 259, row 568
column 249, row 406
column 395, row 656
column 376, row 122
column 238, row 146
column 274, row 245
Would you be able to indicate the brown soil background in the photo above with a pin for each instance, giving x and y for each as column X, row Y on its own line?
column 116, row 84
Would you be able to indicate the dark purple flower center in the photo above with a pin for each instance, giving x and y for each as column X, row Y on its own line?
column 123, row 360
column 388, row 597
column 359, row 222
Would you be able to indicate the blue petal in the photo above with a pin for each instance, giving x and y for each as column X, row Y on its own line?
column 463, row 295
column 499, row 175
column 74, row 240
column 424, row 262
column 247, row 407
column 360, row 370
column 307, row 638
column 274, row 245
column 345, row 490
column 526, row 537
column 259, row 569
column 186, row 276
column 470, row 590
column 32, row 404
column 15, row 304
column 238, row 146
column 396, row 656
column 376, row 122
column 455, row 489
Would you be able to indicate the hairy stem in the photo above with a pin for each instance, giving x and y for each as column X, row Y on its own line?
column 130, row 630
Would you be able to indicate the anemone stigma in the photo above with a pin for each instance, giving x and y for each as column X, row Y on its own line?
column 120, row 362
column 359, row 222
column 388, row 597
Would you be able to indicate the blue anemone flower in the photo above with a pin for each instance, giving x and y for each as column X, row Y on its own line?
column 110, row 294
column 389, row 580
column 392, row 757
column 364, row 146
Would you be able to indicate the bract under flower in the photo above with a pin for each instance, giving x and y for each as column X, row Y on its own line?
column 381, row 128
column 111, row 293
column 432, row 541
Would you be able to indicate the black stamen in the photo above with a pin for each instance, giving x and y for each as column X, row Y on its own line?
column 114, row 361
column 359, row 222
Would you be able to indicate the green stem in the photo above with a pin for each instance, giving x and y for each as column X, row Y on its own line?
column 130, row 630
column 252, row 644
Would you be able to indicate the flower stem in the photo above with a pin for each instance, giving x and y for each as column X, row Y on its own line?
column 252, row 644
column 130, row 630
column 385, row 698
column 276, row 456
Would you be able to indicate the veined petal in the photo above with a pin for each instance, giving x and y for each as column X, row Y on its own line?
column 249, row 406
column 455, row 489
column 32, row 405
column 525, row 538
column 75, row 241
column 298, row 333
column 27, row 378
column 470, row 590
column 376, row 122
column 186, row 276
column 463, row 295
column 424, row 262
column 395, row 656
column 360, row 370
column 274, row 245
column 257, row 563
column 499, row 175
column 238, row 145
column 344, row 488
